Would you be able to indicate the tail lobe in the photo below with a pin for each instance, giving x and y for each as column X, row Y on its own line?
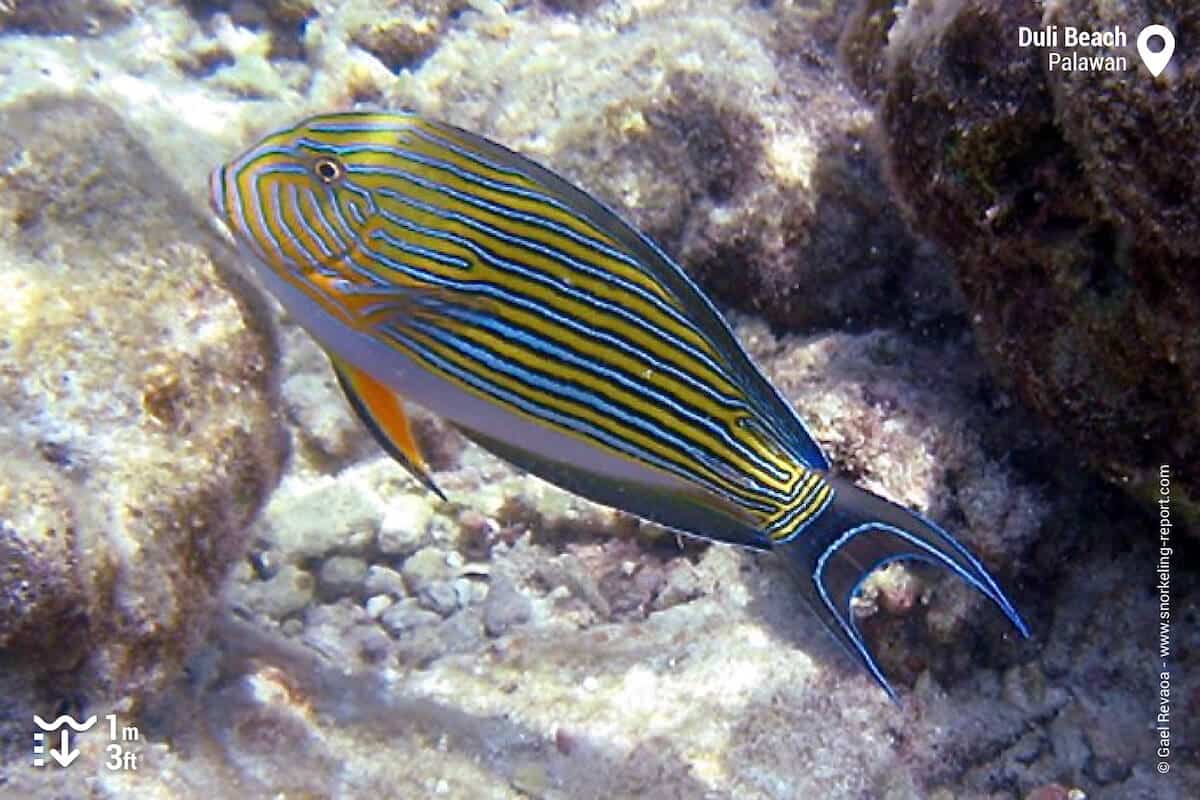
column 860, row 532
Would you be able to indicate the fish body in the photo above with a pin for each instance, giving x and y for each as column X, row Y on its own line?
column 437, row 266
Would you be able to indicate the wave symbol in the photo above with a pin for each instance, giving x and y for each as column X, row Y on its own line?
column 64, row 720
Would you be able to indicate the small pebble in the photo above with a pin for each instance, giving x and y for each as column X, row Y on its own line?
column 420, row 646
column 330, row 630
column 1051, row 791
column 479, row 592
column 440, row 596
column 377, row 604
column 333, row 517
column 424, row 567
column 406, row 616
column 505, row 606
column 383, row 580
column 530, row 779
column 289, row 591
column 342, row 575
column 373, row 643
column 564, row 741
column 463, row 591
column 476, row 532
column 405, row 525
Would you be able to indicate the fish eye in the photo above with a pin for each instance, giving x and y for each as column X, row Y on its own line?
column 329, row 170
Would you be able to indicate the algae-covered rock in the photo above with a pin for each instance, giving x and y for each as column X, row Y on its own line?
column 863, row 46
column 262, row 12
column 79, row 17
column 1068, row 202
column 321, row 519
column 137, row 386
column 405, row 32
column 39, row 596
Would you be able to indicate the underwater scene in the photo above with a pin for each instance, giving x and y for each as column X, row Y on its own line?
column 555, row 399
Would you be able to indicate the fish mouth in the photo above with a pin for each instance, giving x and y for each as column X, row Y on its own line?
column 216, row 192
column 223, row 200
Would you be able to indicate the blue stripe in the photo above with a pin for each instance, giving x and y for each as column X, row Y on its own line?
column 509, row 266
column 800, row 508
column 521, row 336
column 402, row 154
column 552, row 283
column 277, row 201
column 531, row 244
column 363, row 127
column 340, row 246
column 805, row 447
column 480, row 354
column 538, row 411
column 297, row 211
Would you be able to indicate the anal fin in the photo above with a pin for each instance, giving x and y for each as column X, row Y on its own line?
column 381, row 410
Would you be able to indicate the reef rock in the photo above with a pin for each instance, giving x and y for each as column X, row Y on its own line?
column 137, row 397
column 79, row 17
column 1068, row 201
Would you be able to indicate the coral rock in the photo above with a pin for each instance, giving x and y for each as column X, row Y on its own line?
column 137, row 387
column 1072, row 232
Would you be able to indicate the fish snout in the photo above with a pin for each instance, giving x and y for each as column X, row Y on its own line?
column 217, row 192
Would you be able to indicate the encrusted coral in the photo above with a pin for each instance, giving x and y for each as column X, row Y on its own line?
column 138, row 388
column 1068, row 204
column 80, row 17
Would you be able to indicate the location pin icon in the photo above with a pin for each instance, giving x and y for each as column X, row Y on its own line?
column 1156, row 62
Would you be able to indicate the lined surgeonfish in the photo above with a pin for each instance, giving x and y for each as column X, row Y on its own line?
column 433, row 264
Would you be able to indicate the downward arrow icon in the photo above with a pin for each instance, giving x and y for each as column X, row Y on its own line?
column 67, row 756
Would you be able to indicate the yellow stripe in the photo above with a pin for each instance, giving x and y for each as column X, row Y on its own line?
column 596, row 287
column 617, row 395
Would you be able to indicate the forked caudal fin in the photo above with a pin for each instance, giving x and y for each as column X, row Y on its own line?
column 860, row 532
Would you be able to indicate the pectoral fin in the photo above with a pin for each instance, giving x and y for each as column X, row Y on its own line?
column 382, row 411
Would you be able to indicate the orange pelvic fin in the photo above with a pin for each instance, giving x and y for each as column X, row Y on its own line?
column 381, row 409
